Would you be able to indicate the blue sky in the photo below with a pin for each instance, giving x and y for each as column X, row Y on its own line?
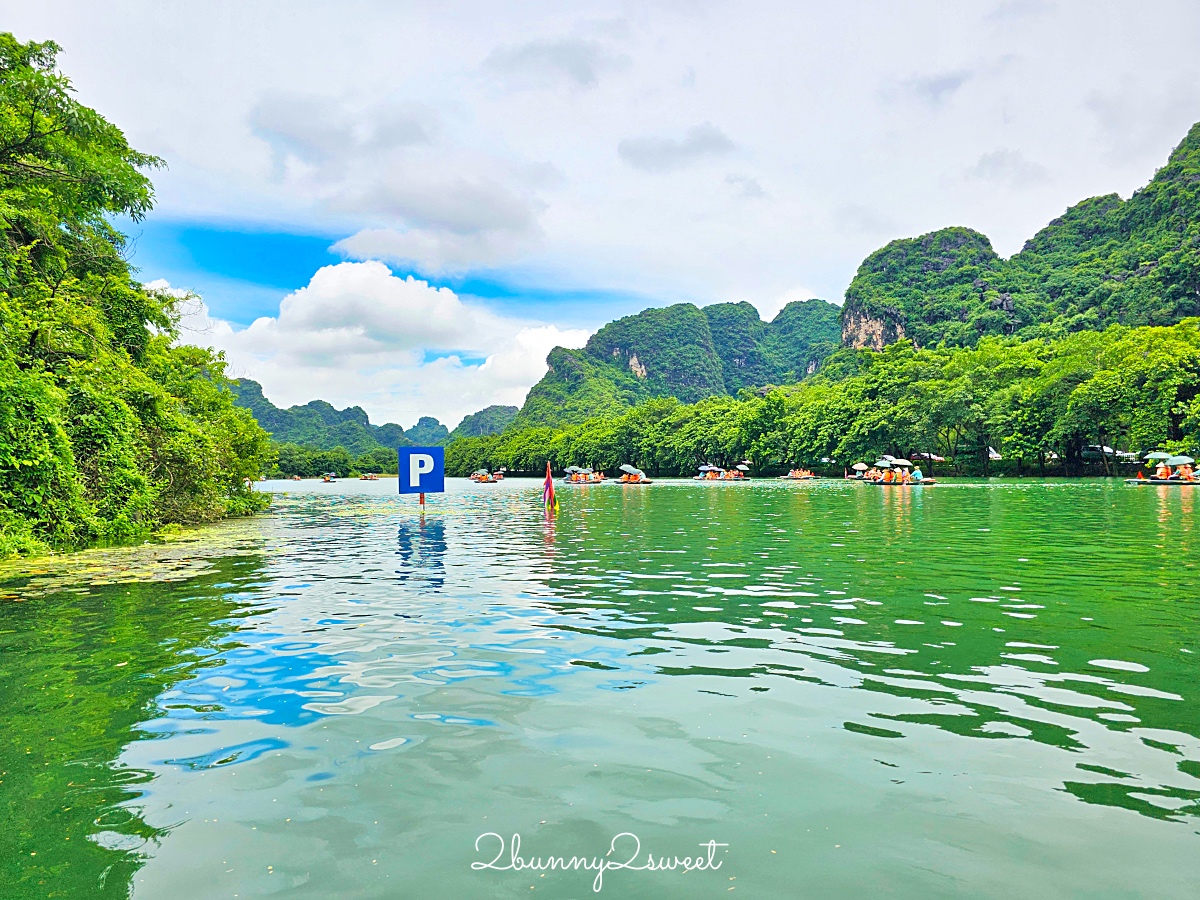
column 243, row 271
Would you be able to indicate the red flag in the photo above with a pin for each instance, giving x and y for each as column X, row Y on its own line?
column 548, row 498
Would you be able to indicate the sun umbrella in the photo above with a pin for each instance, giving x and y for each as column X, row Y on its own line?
column 711, row 469
column 631, row 470
column 1157, row 454
column 860, row 467
column 742, row 467
column 1180, row 461
column 587, row 471
column 572, row 470
column 903, row 463
column 883, row 464
column 888, row 457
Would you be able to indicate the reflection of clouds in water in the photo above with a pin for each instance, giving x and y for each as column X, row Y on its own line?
column 418, row 626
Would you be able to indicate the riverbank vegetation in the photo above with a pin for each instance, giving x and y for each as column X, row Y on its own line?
column 1039, row 403
column 108, row 429
column 309, row 462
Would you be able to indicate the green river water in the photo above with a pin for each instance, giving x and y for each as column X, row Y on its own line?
column 974, row 689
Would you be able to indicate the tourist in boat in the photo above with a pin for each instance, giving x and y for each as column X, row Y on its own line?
column 1185, row 473
column 917, row 475
column 1163, row 471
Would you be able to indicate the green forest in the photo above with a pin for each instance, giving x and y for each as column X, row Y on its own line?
column 681, row 351
column 1105, row 261
column 1039, row 403
column 316, row 438
column 108, row 430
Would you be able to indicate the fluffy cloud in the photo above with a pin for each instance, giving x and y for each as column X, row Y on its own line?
column 663, row 154
column 418, row 128
column 387, row 161
column 939, row 87
column 1008, row 168
column 576, row 61
column 359, row 335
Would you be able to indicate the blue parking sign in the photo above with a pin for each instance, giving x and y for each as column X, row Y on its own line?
column 422, row 470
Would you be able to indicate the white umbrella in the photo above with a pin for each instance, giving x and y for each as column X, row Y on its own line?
column 883, row 464
column 743, row 467
column 860, row 467
column 1157, row 454
column 1180, row 461
column 903, row 463
column 631, row 470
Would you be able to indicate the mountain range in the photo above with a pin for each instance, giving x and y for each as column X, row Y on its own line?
column 682, row 351
column 318, row 425
column 1105, row 261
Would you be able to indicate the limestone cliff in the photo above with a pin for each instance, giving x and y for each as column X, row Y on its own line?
column 862, row 331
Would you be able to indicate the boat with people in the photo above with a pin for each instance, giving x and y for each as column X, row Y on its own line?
column 799, row 474
column 632, row 475
column 889, row 471
column 859, row 469
column 368, row 476
column 716, row 473
column 483, row 476
column 1176, row 469
column 329, row 477
column 582, row 475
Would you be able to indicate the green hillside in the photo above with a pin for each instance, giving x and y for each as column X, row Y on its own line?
column 428, row 432
column 491, row 420
column 317, row 424
column 1041, row 403
column 1105, row 261
column 681, row 351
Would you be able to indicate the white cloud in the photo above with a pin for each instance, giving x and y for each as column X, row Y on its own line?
column 746, row 187
column 664, row 154
column 1009, row 168
column 386, row 161
column 858, row 119
column 545, row 63
column 937, row 88
column 359, row 335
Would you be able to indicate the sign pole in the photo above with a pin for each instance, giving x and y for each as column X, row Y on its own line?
column 422, row 471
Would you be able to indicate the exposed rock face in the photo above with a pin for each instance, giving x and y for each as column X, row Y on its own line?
column 861, row 331
column 636, row 367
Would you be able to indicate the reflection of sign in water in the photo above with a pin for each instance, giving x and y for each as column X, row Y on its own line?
column 422, row 470
column 421, row 547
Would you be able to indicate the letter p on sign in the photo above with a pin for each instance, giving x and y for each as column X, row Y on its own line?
column 422, row 470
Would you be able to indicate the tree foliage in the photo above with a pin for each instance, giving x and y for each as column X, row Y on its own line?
column 1038, row 402
column 106, row 428
column 1105, row 261
column 681, row 351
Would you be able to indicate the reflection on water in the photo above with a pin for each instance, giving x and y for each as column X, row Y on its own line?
column 975, row 688
column 422, row 551
column 85, row 650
